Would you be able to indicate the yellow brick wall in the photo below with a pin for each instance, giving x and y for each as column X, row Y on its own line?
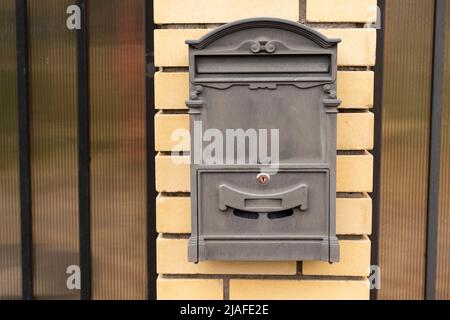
column 178, row 20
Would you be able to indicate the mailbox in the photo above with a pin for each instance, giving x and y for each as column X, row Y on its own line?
column 259, row 83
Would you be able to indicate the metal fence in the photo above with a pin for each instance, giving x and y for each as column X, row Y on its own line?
column 411, row 229
column 76, row 177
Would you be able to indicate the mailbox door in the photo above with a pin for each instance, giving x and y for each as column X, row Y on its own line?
column 290, row 206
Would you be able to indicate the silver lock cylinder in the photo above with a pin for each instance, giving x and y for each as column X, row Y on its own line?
column 263, row 178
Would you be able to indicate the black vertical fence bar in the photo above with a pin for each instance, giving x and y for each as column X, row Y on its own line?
column 24, row 146
column 378, row 111
column 84, row 153
column 150, row 145
column 435, row 149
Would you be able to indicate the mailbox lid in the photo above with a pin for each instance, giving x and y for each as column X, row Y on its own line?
column 233, row 204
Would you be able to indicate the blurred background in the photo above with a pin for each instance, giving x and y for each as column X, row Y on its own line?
column 117, row 107
column 118, row 166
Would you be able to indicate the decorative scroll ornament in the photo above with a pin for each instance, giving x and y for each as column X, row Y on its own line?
column 263, row 46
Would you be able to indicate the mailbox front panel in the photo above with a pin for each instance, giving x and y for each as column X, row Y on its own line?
column 266, row 84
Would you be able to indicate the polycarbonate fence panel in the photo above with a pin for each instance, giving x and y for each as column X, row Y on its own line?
column 53, row 103
column 443, row 257
column 405, row 147
column 10, row 249
column 118, row 167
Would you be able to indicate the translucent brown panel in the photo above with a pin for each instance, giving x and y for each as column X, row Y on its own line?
column 443, row 258
column 54, row 147
column 405, row 135
column 117, row 82
column 10, row 262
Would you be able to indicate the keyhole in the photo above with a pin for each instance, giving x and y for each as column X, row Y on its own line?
column 263, row 178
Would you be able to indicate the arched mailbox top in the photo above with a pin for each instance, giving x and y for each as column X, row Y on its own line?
column 263, row 50
column 273, row 23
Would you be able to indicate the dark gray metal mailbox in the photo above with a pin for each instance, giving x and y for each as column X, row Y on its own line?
column 263, row 74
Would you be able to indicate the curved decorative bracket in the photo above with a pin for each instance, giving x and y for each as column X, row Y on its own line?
column 331, row 102
column 195, row 103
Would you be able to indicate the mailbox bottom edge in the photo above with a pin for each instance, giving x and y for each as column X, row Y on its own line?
column 325, row 249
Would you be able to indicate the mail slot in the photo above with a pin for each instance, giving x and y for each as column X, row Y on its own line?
column 262, row 111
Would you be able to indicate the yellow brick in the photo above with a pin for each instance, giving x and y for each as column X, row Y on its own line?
column 170, row 49
column 215, row 11
column 173, row 214
column 354, row 261
column 172, row 259
column 354, row 215
column 341, row 10
column 189, row 289
column 165, row 129
column 354, row 173
column 357, row 47
column 355, row 131
column 171, row 90
column 355, row 89
column 299, row 289
column 172, row 132
column 172, row 174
